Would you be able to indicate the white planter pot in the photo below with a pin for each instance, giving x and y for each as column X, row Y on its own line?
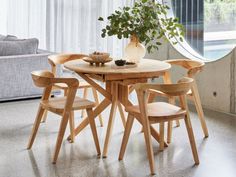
column 134, row 51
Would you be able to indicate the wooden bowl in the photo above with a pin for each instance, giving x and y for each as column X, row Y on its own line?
column 100, row 57
column 97, row 63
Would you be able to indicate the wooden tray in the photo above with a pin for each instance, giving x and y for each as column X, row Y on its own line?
column 123, row 67
column 97, row 63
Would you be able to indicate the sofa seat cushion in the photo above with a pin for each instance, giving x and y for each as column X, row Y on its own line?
column 19, row 47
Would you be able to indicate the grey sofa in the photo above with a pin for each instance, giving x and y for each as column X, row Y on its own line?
column 15, row 78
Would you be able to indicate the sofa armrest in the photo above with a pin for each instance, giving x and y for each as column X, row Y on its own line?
column 39, row 53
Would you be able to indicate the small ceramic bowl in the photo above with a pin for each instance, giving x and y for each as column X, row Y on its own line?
column 99, row 56
column 120, row 62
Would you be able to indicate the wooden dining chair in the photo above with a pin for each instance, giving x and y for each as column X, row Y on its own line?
column 192, row 67
column 62, row 106
column 57, row 60
column 159, row 112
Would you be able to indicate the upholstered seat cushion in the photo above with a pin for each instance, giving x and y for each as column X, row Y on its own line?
column 18, row 47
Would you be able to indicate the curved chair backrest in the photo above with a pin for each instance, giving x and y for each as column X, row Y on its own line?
column 42, row 78
column 178, row 89
column 46, row 78
column 192, row 66
column 62, row 58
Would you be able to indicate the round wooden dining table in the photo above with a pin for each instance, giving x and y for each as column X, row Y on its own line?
column 117, row 84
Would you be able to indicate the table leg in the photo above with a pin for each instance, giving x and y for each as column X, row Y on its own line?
column 101, row 107
column 114, row 91
column 122, row 115
column 109, row 128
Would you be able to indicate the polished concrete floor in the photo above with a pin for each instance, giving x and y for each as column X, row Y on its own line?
column 217, row 153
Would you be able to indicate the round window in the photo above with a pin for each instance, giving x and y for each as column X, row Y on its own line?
column 210, row 25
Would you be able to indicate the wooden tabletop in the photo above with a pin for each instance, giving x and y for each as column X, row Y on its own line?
column 146, row 66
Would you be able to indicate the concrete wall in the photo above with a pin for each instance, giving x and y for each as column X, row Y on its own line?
column 216, row 83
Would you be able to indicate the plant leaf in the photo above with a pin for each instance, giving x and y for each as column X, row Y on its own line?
column 100, row 19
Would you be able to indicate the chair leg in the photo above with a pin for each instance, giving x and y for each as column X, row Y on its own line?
column 191, row 138
column 72, row 127
column 122, row 115
column 199, row 109
column 162, row 128
column 151, row 98
column 94, row 130
column 147, row 136
column 156, row 135
column 169, row 131
column 84, row 96
column 60, row 135
column 36, row 126
column 177, row 123
column 146, row 129
column 96, row 98
column 128, row 127
column 45, row 116
column 170, row 123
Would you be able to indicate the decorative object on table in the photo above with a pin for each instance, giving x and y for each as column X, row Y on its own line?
column 124, row 66
column 99, row 56
column 130, row 63
column 135, row 50
column 100, row 62
column 146, row 23
column 120, row 62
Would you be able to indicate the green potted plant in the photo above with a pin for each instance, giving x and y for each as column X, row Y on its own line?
column 146, row 22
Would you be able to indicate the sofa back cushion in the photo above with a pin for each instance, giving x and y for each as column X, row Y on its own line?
column 11, row 38
column 18, row 47
column 2, row 37
column 8, row 38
